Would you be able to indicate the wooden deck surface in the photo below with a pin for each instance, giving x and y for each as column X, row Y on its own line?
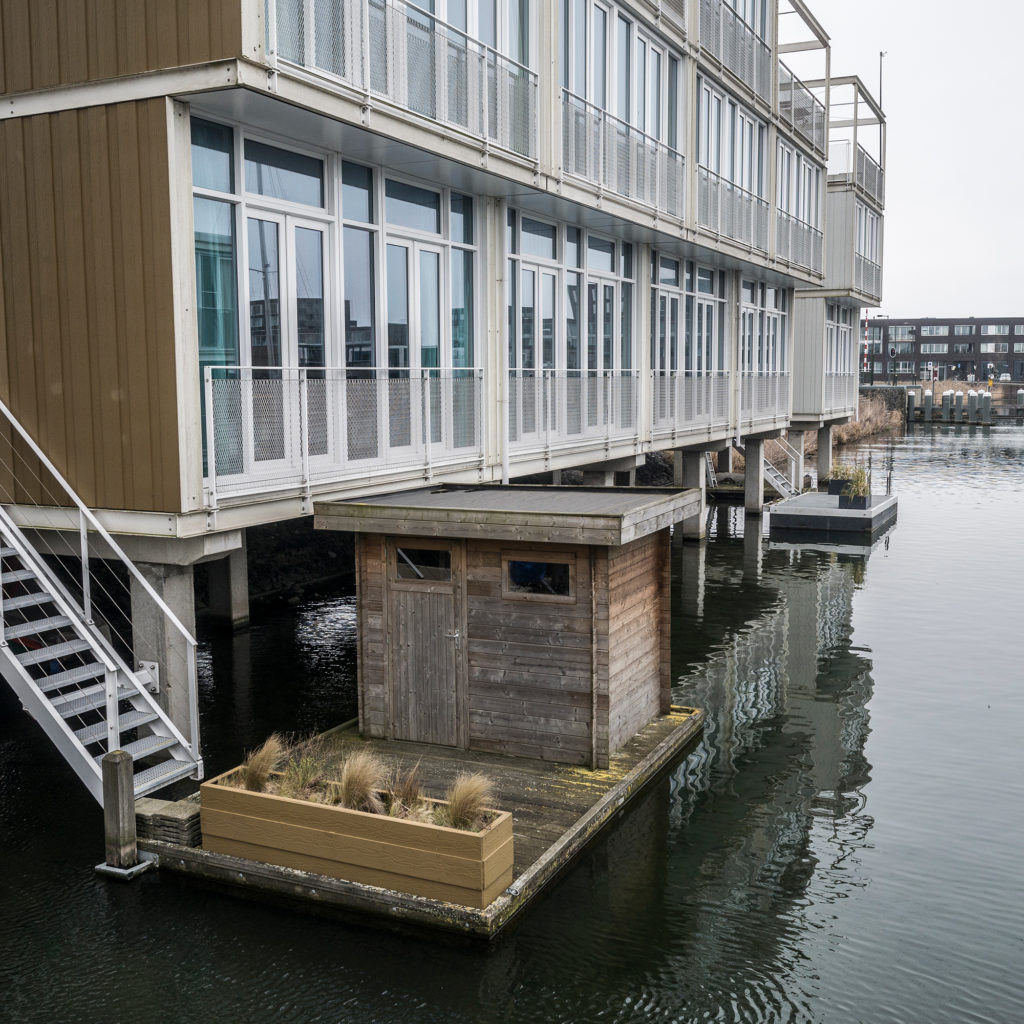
column 546, row 799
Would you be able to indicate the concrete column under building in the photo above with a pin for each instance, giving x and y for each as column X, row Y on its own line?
column 229, row 588
column 753, row 476
column 824, row 454
column 724, row 459
column 688, row 471
column 598, row 478
column 796, row 442
column 155, row 638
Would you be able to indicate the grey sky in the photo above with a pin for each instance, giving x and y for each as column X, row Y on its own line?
column 953, row 74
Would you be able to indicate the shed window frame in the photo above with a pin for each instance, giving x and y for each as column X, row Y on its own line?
column 559, row 558
column 396, row 582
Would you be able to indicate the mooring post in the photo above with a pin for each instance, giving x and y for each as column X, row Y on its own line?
column 972, row 406
column 958, row 402
column 119, row 810
column 911, row 406
column 947, row 406
column 928, row 409
column 986, row 407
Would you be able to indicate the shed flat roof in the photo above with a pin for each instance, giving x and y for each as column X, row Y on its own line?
column 551, row 515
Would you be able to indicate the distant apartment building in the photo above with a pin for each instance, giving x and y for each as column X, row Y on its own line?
column 959, row 348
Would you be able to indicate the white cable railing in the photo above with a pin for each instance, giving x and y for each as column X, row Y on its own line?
column 867, row 277
column 620, row 157
column 725, row 35
column 841, row 392
column 402, row 52
column 798, row 242
column 551, row 409
column 731, row 210
column 763, row 396
column 687, row 402
column 298, row 429
column 92, row 573
column 801, row 109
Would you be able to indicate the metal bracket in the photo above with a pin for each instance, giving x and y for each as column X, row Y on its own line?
column 149, row 675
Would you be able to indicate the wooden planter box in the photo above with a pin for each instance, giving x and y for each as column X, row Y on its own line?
column 468, row 868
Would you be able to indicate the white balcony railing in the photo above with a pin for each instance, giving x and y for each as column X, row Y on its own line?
column 867, row 277
column 403, row 53
column 870, row 175
column 281, row 429
column 725, row 35
column 732, row 211
column 801, row 110
column 764, row 396
column 688, row 403
column 798, row 242
column 847, row 163
column 551, row 409
column 840, row 392
column 620, row 157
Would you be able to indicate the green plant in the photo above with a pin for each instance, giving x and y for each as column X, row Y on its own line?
column 468, row 798
column 858, row 483
column 841, row 471
column 260, row 762
column 303, row 773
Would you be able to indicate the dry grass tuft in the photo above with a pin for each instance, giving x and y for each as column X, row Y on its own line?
column 468, row 798
column 360, row 782
column 262, row 761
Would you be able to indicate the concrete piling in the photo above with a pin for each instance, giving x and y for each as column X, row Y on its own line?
column 986, row 407
column 972, row 406
column 958, row 402
column 911, row 406
column 947, row 407
column 928, row 407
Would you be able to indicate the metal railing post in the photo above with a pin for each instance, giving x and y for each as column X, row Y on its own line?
column 193, row 700
column 425, row 420
column 303, row 429
column 83, row 537
column 113, row 725
column 211, row 446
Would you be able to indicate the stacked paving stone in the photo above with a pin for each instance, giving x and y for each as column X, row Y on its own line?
column 169, row 821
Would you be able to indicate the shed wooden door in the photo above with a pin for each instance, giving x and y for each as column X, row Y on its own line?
column 426, row 641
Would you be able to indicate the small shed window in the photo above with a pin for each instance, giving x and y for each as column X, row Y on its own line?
column 432, row 564
column 540, row 578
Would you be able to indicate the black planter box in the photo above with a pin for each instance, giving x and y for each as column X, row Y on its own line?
column 860, row 501
column 835, row 486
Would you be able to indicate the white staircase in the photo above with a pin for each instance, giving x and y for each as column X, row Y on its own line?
column 71, row 676
column 775, row 478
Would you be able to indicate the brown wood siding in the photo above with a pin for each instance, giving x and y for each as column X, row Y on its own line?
column 88, row 360
column 634, row 636
column 46, row 43
column 529, row 663
column 373, row 648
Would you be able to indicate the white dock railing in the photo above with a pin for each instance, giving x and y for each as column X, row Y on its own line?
column 612, row 153
column 685, row 403
column 291, row 428
column 405, row 54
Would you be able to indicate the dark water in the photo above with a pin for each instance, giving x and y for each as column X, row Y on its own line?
column 845, row 845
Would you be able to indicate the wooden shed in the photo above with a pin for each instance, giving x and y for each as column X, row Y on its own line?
column 522, row 620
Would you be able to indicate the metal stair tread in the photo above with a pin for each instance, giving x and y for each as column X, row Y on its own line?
column 145, row 747
column 27, row 600
column 17, row 575
column 35, row 626
column 162, row 774
column 129, row 720
column 6, row 552
column 72, row 675
column 88, row 700
column 60, row 650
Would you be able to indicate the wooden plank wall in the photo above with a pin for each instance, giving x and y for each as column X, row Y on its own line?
column 374, row 702
column 87, row 345
column 46, row 43
column 635, row 624
column 529, row 663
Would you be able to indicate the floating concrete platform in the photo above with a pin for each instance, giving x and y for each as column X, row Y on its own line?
column 819, row 513
column 557, row 810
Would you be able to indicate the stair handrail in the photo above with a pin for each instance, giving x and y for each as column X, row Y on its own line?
column 133, row 571
column 101, row 646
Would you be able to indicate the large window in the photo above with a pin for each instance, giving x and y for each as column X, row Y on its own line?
column 934, row 348
column 901, row 332
column 839, row 354
column 730, row 140
column 610, row 61
column 798, row 182
column 994, row 329
column 868, row 233
column 763, row 328
column 963, row 329
column 934, row 330
column 688, row 318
